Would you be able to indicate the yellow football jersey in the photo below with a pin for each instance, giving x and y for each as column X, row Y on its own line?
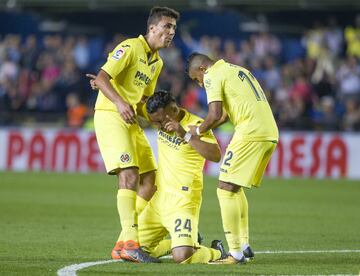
column 180, row 167
column 134, row 70
column 243, row 99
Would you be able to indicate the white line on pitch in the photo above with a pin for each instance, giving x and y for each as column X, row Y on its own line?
column 309, row 251
column 71, row 269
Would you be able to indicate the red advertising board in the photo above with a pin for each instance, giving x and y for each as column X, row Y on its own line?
column 301, row 154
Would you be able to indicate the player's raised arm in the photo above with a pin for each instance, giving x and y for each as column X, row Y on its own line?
column 208, row 150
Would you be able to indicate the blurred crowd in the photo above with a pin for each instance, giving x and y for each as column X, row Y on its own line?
column 316, row 90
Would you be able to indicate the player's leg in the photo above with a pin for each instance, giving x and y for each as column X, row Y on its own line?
column 163, row 248
column 267, row 148
column 244, row 225
column 126, row 200
column 151, row 230
column 229, row 200
column 237, row 172
column 147, row 170
column 128, row 180
column 146, row 190
column 116, row 142
column 181, row 221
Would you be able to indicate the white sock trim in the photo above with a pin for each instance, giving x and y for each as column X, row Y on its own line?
column 237, row 254
column 244, row 246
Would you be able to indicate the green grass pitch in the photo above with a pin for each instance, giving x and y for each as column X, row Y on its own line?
column 48, row 221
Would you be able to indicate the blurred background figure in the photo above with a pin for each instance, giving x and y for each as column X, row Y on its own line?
column 76, row 111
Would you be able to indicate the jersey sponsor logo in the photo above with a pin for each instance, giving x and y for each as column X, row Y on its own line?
column 153, row 69
column 125, row 157
column 143, row 77
column 172, row 141
column 118, row 54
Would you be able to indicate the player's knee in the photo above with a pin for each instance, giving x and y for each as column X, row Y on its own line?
column 227, row 186
column 147, row 185
column 181, row 254
column 128, row 178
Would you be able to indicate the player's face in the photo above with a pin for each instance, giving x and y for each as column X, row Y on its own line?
column 159, row 118
column 164, row 31
column 197, row 75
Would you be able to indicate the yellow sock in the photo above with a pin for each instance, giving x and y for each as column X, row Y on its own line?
column 140, row 204
column 203, row 255
column 120, row 238
column 162, row 249
column 127, row 212
column 244, row 222
column 231, row 216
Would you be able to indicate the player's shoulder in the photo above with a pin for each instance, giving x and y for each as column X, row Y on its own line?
column 130, row 43
column 191, row 119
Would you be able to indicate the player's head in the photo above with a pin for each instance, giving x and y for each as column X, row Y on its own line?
column 161, row 26
column 196, row 66
column 160, row 105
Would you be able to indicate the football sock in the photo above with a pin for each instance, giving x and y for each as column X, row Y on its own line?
column 120, row 238
column 231, row 216
column 237, row 254
column 140, row 204
column 162, row 249
column 126, row 200
column 203, row 255
column 244, row 246
column 244, row 222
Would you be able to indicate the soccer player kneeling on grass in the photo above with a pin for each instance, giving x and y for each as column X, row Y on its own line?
column 175, row 206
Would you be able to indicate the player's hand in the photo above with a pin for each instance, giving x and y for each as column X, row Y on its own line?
column 192, row 130
column 172, row 125
column 92, row 81
column 126, row 112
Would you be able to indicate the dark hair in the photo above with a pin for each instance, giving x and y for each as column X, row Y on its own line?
column 160, row 99
column 200, row 58
column 157, row 12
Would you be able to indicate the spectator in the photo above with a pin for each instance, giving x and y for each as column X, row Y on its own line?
column 81, row 53
column 76, row 113
column 352, row 37
column 351, row 121
column 326, row 118
column 348, row 78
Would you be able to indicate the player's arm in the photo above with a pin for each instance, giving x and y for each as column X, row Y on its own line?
column 210, row 151
column 141, row 108
column 214, row 118
column 126, row 111
column 207, row 150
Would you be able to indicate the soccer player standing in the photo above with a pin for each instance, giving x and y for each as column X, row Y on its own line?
column 127, row 78
column 234, row 89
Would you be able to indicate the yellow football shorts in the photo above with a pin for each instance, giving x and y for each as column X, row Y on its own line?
column 244, row 163
column 173, row 213
column 122, row 145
